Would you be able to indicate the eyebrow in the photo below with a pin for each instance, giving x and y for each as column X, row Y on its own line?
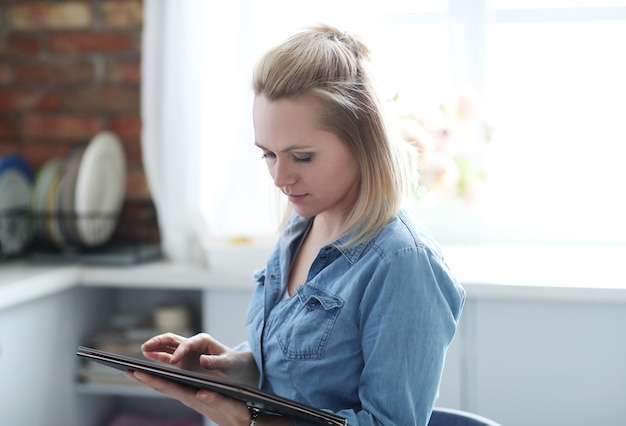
column 288, row 149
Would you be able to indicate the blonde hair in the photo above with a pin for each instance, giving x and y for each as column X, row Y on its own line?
column 331, row 66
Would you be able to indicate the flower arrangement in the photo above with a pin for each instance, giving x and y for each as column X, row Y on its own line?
column 451, row 140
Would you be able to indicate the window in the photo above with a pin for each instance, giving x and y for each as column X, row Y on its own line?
column 558, row 91
column 550, row 73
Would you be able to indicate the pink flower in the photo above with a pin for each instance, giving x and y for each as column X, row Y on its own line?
column 451, row 141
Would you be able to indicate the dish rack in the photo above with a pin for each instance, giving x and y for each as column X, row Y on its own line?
column 57, row 236
column 15, row 232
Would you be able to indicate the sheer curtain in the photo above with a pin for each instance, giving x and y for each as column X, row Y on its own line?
column 176, row 114
column 207, row 179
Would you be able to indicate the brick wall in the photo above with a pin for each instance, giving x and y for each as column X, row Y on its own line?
column 69, row 69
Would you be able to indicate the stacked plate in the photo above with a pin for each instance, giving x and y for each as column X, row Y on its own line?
column 77, row 199
column 16, row 179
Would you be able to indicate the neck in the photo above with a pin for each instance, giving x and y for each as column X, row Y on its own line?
column 324, row 231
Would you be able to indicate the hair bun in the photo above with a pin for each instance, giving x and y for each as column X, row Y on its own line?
column 353, row 43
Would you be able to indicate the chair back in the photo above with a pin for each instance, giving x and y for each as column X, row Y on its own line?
column 450, row 417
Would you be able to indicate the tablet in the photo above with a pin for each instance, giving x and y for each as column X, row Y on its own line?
column 252, row 396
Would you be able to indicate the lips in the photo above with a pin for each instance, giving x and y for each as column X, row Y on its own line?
column 295, row 198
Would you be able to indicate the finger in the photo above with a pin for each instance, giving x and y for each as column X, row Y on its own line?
column 216, row 362
column 203, row 401
column 201, row 343
column 160, row 348
column 217, row 407
column 162, row 357
column 164, row 386
column 130, row 375
column 167, row 342
column 221, row 409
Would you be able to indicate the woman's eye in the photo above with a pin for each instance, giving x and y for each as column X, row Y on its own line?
column 304, row 158
column 267, row 155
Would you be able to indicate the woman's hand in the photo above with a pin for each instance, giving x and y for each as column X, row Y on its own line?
column 203, row 354
column 222, row 410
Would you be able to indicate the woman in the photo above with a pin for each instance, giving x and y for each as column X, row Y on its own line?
column 356, row 307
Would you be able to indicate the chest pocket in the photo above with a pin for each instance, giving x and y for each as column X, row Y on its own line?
column 309, row 322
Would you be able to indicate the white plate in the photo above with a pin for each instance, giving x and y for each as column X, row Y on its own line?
column 65, row 198
column 100, row 188
column 15, row 191
column 52, row 220
column 39, row 199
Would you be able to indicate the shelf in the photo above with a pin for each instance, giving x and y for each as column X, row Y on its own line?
column 131, row 390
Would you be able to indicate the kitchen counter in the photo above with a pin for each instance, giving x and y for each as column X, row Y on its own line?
column 491, row 272
column 21, row 282
column 593, row 273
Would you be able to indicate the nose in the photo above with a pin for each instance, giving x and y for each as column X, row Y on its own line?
column 282, row 173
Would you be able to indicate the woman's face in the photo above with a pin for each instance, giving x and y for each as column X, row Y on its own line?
column 316, row 170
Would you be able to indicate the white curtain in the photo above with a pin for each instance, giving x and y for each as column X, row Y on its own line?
column 176, row 36
column 207, row 179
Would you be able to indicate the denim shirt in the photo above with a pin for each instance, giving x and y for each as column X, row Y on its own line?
column 366, row 336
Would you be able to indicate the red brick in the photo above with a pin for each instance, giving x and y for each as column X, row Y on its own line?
column 7, row 148
column 138, row 221
column 37, row 154
column 89, row 42
column 5, row 73
column 139, row 210
column 127, row 13
column 137, row 184
column 128, row 127
column 102, row 99
column 46, row 15
column 124, row 72
column 59, row 73
column 132, row 152
column 67, row 128
column 28, row 100
column 7, row 128
column 19, row 44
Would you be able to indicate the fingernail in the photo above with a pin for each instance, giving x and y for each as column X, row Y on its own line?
column 202, row 394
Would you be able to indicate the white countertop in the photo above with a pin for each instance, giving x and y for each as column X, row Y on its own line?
column 593, row 273
column 590, row 274
column 21, row 282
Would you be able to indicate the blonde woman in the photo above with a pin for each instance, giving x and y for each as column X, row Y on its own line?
column 356, row 307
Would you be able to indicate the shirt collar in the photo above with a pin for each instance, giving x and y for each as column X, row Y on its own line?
column 351, row 253
column 298, row 225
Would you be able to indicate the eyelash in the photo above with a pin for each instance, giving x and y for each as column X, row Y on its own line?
column 267, row 155
column 305, row 159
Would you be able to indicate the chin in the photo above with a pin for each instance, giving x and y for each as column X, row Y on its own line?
column 306, row 213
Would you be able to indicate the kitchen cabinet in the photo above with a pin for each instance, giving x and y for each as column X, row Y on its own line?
column 46, row 312
column 139, row 304
column 220, row 312
column 535, row 345
column 37, row 361
column 547, row 362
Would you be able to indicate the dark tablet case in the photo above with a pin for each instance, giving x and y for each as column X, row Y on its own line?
column 251, row 396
